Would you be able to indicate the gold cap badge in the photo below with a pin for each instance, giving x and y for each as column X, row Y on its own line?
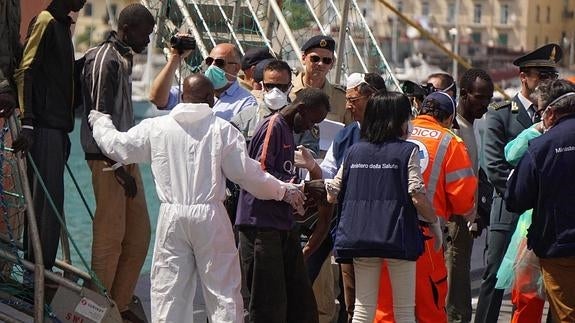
column 323, row 43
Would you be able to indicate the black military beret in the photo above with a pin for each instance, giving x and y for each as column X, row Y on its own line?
column 254, row 56
column 260, row 68
column 319, row 41
column 546, row 56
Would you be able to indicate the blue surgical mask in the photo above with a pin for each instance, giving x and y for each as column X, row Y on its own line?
column 217, row 76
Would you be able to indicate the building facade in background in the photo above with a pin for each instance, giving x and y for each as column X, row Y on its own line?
column 485, row 27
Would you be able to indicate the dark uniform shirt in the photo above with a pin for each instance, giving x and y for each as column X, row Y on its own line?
column 504, row 121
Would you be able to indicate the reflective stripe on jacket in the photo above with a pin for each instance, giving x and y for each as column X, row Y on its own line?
column 446, row 167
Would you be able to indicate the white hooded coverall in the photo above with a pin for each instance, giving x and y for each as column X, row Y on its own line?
column 192, row 152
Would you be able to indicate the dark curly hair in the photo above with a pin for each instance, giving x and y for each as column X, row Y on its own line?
column 468, row 78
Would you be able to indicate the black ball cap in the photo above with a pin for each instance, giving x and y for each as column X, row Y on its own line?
column 260, row 67
column 545, row 57
column 319, row 41
column 254, row 56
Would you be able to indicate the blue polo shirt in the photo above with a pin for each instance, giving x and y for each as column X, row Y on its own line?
column 273, row 146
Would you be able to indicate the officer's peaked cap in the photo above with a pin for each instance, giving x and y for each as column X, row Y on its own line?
column 545, row 57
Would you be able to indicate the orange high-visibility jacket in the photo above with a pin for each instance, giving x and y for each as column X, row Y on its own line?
column 446, row 167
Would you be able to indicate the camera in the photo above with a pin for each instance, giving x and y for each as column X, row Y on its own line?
column 182, row 43
column 413, row 89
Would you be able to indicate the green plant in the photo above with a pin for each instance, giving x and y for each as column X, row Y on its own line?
column 296, row 14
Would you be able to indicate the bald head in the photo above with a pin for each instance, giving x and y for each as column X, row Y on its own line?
column 232, row 57
column 198, row 89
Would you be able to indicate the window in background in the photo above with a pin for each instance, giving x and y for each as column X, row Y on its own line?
column 425, row 8
column 504, row 17
column 450, row 13
column 477, row 13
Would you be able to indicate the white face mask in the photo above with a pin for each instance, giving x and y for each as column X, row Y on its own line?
column 275, row 99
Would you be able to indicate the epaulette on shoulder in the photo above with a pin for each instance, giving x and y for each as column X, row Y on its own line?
column 455, row 136
column 500, row 105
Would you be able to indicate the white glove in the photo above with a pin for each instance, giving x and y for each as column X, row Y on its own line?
column 435, row 229
column 303, row 158
column 95, row 115
column 295, row 197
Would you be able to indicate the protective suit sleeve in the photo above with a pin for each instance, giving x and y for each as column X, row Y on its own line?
column 129, row 147
column 460, row 180
column 516, row 148
column 523, row 186
column 246, row 172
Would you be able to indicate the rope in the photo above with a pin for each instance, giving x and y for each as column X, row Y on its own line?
column 60, row 218
column 80, row 192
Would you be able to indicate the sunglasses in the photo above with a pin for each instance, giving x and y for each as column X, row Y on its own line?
column 281, row 87
column 219, row 62
column 316, row 59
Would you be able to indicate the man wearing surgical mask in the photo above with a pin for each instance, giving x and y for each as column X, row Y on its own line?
column 276, row 84
column 223, row 65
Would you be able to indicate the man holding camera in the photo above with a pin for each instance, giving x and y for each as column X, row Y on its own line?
column 223, row 67
column 162, row 93
column 121, row 225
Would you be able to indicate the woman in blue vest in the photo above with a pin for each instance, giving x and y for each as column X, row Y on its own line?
column 381, row 191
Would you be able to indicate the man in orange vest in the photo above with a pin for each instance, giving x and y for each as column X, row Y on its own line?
column 449, row 179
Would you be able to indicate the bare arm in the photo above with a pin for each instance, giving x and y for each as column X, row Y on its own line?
column 315, row 172
column 160, row 89
column 320, row 231
column 424, row 207
column 332, row 187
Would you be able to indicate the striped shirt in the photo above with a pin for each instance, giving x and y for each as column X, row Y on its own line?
column 45, row 77
column 273, row 146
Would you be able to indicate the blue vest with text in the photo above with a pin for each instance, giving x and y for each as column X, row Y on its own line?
column 378, row 218
column 344, row 139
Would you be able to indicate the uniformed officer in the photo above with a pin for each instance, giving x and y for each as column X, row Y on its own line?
column 504, row 121
column 318, row 59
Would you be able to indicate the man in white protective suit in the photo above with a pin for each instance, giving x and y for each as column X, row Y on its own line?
column 192, row 152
